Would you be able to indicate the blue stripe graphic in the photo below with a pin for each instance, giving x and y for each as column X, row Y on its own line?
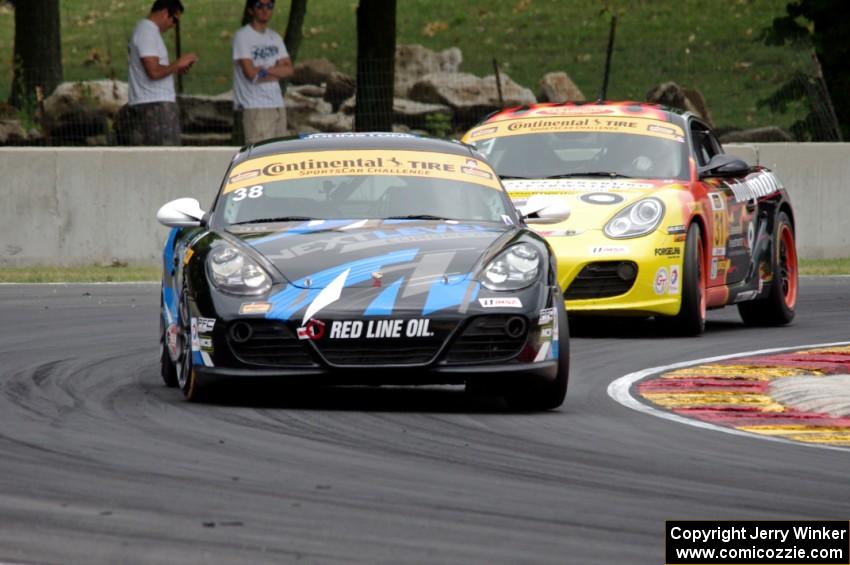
column 442, row 295
column 302, row 228
column 292, row 298
column 384, row 302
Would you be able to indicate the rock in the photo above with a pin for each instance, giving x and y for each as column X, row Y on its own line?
column 77, row 110
column 469, row 96
column 107, row 96
column 206, row 114
column 311, row 90
column 12, row 133
column 206, row 139
column 312, row 71
column 413, row 62
column 415, row 114
column 338, row 88
column 762, row 135
column 558, row 87
column 300, row 109
column 672, row 95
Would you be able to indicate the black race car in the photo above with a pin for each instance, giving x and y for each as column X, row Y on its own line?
column 363, row 259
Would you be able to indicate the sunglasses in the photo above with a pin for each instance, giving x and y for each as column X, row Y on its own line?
column 266, row 5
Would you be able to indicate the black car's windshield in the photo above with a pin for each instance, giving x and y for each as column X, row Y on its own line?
column 369, row 197
column 575, row 154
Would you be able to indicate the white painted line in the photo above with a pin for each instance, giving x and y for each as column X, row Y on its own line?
column 619, row 391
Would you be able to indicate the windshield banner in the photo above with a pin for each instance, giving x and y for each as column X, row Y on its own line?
column 578, row 124
column 290, row 166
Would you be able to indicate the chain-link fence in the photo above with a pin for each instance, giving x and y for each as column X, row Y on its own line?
column 778, row 95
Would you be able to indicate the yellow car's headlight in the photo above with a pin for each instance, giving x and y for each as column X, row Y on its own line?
column 636, row 219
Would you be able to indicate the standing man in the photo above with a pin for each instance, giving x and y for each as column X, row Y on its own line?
column 260, row 60
column 155, row 118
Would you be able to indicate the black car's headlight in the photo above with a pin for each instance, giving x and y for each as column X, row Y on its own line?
column 514, row 268
column 636, row 219
column 232, row 271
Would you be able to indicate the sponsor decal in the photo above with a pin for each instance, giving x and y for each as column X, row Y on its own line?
column 718, row 203
column 559, row 233
column 254, row 307
column 680, row 237
column 677, row 229
column 602, row 198
column 751, row 234
column 674, row 279
column 714, row 262
column 483, row 131
column 313, row 330
column 196, row 344
column 188, row 255
column 245, row 175
column 546, row 316
column 718, row 252
column 206, row 343
column 546, row 334
column 746, row 295
column 566, row 120
column 364, row 162
column 379, row 329
column 206, row 325
column 523, row 188
column 471, row 168
column 506, row 302
column 668, row 251
column 609, row 250
column 171, row 341
column 662, row 279
column 761, row 184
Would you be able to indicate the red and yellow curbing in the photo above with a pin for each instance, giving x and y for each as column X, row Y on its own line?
column 736, row 394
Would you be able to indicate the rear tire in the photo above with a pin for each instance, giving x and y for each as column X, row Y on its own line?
column 777, row 308
column 690, row 320
column 533, row 395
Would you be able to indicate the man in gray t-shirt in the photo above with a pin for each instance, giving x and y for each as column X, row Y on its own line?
column 152, row 102
column 260, row 60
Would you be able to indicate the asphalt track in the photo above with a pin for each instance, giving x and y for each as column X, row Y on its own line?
column 100, row 463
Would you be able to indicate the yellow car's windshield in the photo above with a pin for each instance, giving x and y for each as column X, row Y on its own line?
column 568, row 154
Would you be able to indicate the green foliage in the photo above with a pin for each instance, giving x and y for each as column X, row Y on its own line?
column 438, row 125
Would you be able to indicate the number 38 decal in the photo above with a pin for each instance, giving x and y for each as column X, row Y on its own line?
column 255, row 191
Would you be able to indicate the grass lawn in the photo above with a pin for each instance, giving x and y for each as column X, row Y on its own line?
column 712, row 46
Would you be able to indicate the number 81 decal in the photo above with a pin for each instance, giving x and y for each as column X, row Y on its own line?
column 255, row 191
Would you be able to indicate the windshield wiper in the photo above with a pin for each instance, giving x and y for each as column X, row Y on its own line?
column 609, row 174
column 279, row 219
column 512, row 177
column 417, row 217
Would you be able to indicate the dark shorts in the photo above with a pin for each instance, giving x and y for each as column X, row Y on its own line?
column 154, row 123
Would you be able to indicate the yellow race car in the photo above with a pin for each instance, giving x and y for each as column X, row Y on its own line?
column 662, row 222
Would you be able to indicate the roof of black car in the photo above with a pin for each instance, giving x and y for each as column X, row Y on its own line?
column 345, row 141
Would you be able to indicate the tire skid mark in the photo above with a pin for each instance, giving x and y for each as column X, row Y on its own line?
column 733, row 392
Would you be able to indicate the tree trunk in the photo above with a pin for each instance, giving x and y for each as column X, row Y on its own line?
column 38, row 50
column 292, row 38
column 375, row 65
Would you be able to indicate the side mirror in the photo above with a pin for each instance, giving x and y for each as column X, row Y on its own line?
column 181, row 213
column 544, row 209
column 722, row 165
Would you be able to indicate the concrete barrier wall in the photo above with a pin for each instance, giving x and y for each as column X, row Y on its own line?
column 68, row 206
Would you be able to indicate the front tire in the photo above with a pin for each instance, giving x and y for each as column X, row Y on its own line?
column 534, row 395
column 777, row 308
column 690, row 320
column 185, row 372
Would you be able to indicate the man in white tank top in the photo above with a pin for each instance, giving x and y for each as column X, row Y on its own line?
column 155, row 119
column 260, row 60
